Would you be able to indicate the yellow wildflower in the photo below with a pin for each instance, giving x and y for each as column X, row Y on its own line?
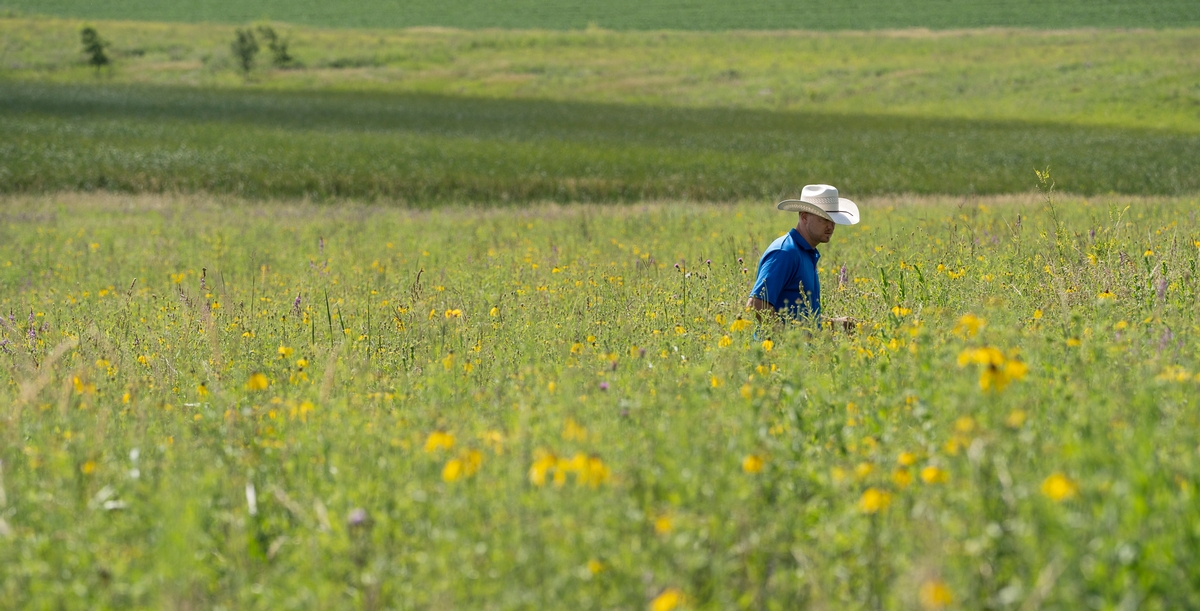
column 284, row 352
column 902, row 478
column 934, row 475
column 969, row 325
column 594, row 473
column 724, row 342
column 453, row 470
column 257, row 381
column 906, row 459
column 768, row 345
column 740, row 324
column 935, row 594
column 752, row 463
column 439, row 440
column 669, row 600
column 1059, row 488
column 663, row 524
column 874, row 500
column 543, row 462
column 471, row 461
column 1015, row 418
column 572, row 431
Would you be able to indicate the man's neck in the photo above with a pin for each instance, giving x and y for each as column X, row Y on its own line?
column 807, row 239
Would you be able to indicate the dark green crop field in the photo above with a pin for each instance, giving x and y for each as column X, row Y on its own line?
column 641, row 15
column 418, row 147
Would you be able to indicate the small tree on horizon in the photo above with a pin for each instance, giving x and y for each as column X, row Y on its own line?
column 94, row 46
column 245, row 47
column 278, row 46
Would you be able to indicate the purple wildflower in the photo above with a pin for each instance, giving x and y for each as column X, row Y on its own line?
column 1162, row 288
column 358, row 517
column 296, row 305
column 843, row 276
column 604, row 386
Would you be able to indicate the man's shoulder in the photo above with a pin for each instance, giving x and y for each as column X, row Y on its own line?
column 783, row 245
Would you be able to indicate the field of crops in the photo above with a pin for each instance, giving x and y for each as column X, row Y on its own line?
column 644, row 15
column 430, row 117
column 214, row 403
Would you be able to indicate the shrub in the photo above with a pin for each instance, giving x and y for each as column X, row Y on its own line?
column 244, row 48
column 94, row 46
column 280, row 57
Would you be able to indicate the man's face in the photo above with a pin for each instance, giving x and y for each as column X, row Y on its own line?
column 817, row 228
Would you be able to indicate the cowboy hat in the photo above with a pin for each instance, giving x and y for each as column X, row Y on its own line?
column 823, row 201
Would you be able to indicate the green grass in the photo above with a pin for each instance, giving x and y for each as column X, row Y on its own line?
column 430, row 148
column 134, row 425
column 1085, row 77
column 635, row 15
column 430, row 116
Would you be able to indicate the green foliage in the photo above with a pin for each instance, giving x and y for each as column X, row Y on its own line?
column 262, row 419
column 280, row 57
column 428, row 149
column 94, row 46
column 649, row 15
column 245, row 48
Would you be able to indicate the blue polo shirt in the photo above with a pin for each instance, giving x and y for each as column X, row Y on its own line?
column 787, row 277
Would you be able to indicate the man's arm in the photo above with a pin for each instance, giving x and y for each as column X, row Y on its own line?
column 754, row 303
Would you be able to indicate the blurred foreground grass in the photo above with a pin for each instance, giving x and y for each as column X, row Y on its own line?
column 300, row 406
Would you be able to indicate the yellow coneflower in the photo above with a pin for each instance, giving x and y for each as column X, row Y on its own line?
column 439, row 440
column 668, row 600
column 1059, row 487
column 257, row 381
column 752, row 463
column 934, row 595
column 874, row 500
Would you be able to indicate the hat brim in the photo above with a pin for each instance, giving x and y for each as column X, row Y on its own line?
column 846, row 213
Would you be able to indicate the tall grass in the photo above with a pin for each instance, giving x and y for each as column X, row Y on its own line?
column 296, row 406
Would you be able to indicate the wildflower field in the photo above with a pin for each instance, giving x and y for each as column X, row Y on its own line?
column 213, row 403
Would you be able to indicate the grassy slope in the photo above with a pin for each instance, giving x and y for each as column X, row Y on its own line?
column 639, row 14
column 491, row 116
column 1095, row 77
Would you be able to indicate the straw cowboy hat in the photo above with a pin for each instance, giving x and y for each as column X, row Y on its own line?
column 823, row 201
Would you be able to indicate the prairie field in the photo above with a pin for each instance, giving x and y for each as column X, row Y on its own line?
column 643, row 15
column 221, row 403
column 382, row 316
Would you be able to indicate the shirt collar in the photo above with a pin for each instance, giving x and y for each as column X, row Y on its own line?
column 800, row 241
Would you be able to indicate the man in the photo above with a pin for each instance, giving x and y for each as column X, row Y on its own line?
column 787, row 273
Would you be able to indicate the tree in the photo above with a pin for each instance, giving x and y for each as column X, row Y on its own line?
column 94, row 46
column 279, row 47
column 245, row 47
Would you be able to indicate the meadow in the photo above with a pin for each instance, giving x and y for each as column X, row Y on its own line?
column 635, row 15
column 236, row 404
column 430, row 116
